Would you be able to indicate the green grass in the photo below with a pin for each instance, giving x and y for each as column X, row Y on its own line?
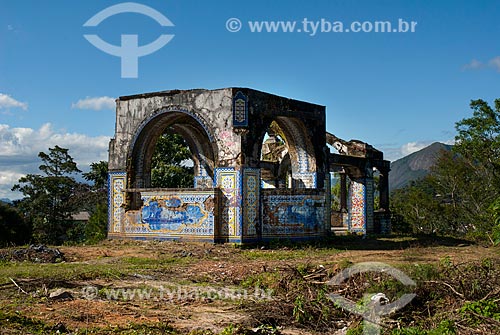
column 445, row 327
column 86, row 271
column 12, row 323
column 62, row 271
column 22, row 325
column 283, row 254
column 154, row 263
column 264, row 280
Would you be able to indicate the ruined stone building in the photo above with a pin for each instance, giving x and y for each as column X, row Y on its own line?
column 262, row 170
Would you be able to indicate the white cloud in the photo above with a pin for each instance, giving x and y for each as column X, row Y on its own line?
column 393, row 152
column 495, row 63
column 412, row 147
column 6, row 101
column 474, row 64
column 95, row 103
column 450, row 142
column 19, row 148
column 7, row 179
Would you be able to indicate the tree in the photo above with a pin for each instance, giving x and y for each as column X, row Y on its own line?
column 57, row 163
column 168, row 167
column 48, row 198
column 96, row 200
column 478, row 138
column 414, row 209
column 495, row 210
column 13, row 228
column 461, row 195
column 478, row 141
column 97, row 226
column 98, row 174
column 335, row 196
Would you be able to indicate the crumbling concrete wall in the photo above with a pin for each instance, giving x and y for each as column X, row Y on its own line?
column 224, row 129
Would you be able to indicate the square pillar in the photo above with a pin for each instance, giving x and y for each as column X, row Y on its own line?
column 343, row 192
column 361, row 205
column 252, row 228
column 384, row 190
column 229, row 180
column 370, row 199
column 328, row 203
column 117, row 183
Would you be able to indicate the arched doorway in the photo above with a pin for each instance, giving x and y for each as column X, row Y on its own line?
column 286, row 155
column 195, row 135
column 172, row 165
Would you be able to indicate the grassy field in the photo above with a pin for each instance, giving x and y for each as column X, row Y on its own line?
column 127, row 287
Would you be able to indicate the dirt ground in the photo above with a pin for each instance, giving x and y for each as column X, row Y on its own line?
column 191, row 286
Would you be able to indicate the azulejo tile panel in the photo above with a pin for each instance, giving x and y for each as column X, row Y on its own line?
column 293, row 215
column 237, row 209
column 188, row 214
column 251, row 199
column 307, row 179
column 229, row 181
column 369, row 202
column 357, row 207
column 240, row 110
column 385, row 224
column 176, row 213
column 116, row 198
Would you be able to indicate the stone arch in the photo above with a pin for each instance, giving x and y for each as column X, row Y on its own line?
column 301, row 150
column 183, row 122
column 299, row 147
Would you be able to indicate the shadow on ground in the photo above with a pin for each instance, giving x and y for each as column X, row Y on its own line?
column 393, row 242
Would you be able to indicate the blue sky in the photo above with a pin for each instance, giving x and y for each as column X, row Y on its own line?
column 396, row 91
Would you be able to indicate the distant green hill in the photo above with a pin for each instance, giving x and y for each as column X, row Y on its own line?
column 415, row 166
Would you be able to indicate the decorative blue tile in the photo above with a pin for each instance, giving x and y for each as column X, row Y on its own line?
column 293, row 214
column 240, row 110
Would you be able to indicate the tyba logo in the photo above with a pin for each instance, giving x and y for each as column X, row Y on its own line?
column 129, row 51
column 378, row 305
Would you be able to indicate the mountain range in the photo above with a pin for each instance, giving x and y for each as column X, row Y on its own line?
column 415, row 166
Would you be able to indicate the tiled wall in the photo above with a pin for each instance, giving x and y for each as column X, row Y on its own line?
column 360, row 206
column 173, row 214
column 357, row 207
column 116, row 198
column 229, row 182
column 293, row 213
column 238, row 210
column 251, row 202
column 369, row 203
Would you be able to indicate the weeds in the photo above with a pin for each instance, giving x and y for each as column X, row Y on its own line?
column 263, row 280
column 301, row 296
column 85, row 271
column 452, row 298
column 477, row 312
column 23, row 323
column 240, row 330
column 287, row 253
